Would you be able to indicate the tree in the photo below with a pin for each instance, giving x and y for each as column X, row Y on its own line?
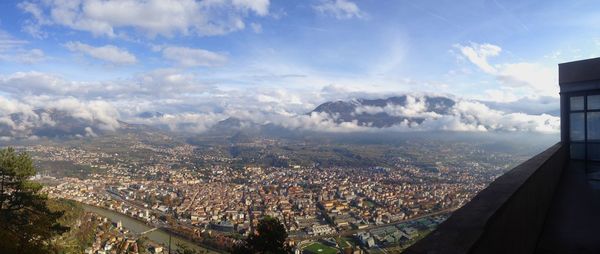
column 269, row 238
column 142, row 244
column 27, row 224
column 184, row 249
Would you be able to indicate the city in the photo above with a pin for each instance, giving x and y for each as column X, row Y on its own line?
column 167, row 186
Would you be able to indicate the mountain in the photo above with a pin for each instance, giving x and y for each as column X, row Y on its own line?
column 382, row 113
column 233, row 125
column 150, row 114
column 241, row 131
column 378, row 113
column 53, row 123
column 47, row 123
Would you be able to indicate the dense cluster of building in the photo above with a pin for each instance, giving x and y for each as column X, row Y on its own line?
column 310, row 201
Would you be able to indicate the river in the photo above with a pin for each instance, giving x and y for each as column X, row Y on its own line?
column 159, row 236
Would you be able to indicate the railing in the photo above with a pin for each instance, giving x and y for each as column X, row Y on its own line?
column 507, row 216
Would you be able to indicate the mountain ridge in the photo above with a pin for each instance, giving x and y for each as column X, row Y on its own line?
column 357, row 110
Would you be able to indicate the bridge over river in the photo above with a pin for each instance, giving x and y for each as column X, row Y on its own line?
column 155, row 234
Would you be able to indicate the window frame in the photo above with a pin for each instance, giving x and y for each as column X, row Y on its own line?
column 585, row 142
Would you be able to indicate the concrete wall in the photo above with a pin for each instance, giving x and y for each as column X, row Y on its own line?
column 564, row 117
column 507, row 216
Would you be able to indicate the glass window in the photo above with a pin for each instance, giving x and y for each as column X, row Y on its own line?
column 577, row 131
column 577, row 103
column 593, row 102
column 593, row 152
column 593, row 126
column 577, row 151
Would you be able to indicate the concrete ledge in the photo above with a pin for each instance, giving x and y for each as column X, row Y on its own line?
column 505, row 217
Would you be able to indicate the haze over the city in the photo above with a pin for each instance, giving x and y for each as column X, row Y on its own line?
column 195, row 63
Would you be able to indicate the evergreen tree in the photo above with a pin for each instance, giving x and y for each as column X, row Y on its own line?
column 269, row 238
column 27, row 224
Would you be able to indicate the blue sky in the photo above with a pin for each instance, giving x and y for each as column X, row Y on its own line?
column 215, row 57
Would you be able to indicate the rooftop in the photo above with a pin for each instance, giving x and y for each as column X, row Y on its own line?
column 579, row 71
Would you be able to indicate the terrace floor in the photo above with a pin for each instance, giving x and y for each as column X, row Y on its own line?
column 573, row 221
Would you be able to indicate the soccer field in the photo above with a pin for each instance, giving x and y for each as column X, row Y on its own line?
column 318, row 248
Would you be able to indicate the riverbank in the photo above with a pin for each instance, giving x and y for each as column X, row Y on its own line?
column 160, row 235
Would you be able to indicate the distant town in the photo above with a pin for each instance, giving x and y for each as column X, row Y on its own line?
column 205, row 198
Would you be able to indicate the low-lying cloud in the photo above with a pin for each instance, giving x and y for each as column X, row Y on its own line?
column 464, row 116
column 191, row 105
column 67, row 116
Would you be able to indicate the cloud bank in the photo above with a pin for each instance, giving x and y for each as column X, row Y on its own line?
column 32, row 117
column 190, row 57
column 190, row 104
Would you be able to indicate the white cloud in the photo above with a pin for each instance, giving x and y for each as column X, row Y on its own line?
column 8, row 42
column 540, row 79
column 14, row 50
column 256, row 27
column 502, row 95
column 261, row 7
column 534, row 105
column 108, row 53
column 160, row 83
column 11, row 106
column 167, row 83
column 341, row 9
column 21, row 119
column 478, row 54
column 33, row 83
column 90, row 132
column 416, row 106
column 184, row 122
column 114, row 18
column 103, row 114
column 476, row 115
column 465, row 115
column 30, row 56
column 34, row 26
column 190, row 57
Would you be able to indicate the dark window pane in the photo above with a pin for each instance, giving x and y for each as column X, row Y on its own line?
column 577, row 128
column 577, row 103
column 593, row 152
column 593, row 102
column 577, row 151
column 593, row 126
